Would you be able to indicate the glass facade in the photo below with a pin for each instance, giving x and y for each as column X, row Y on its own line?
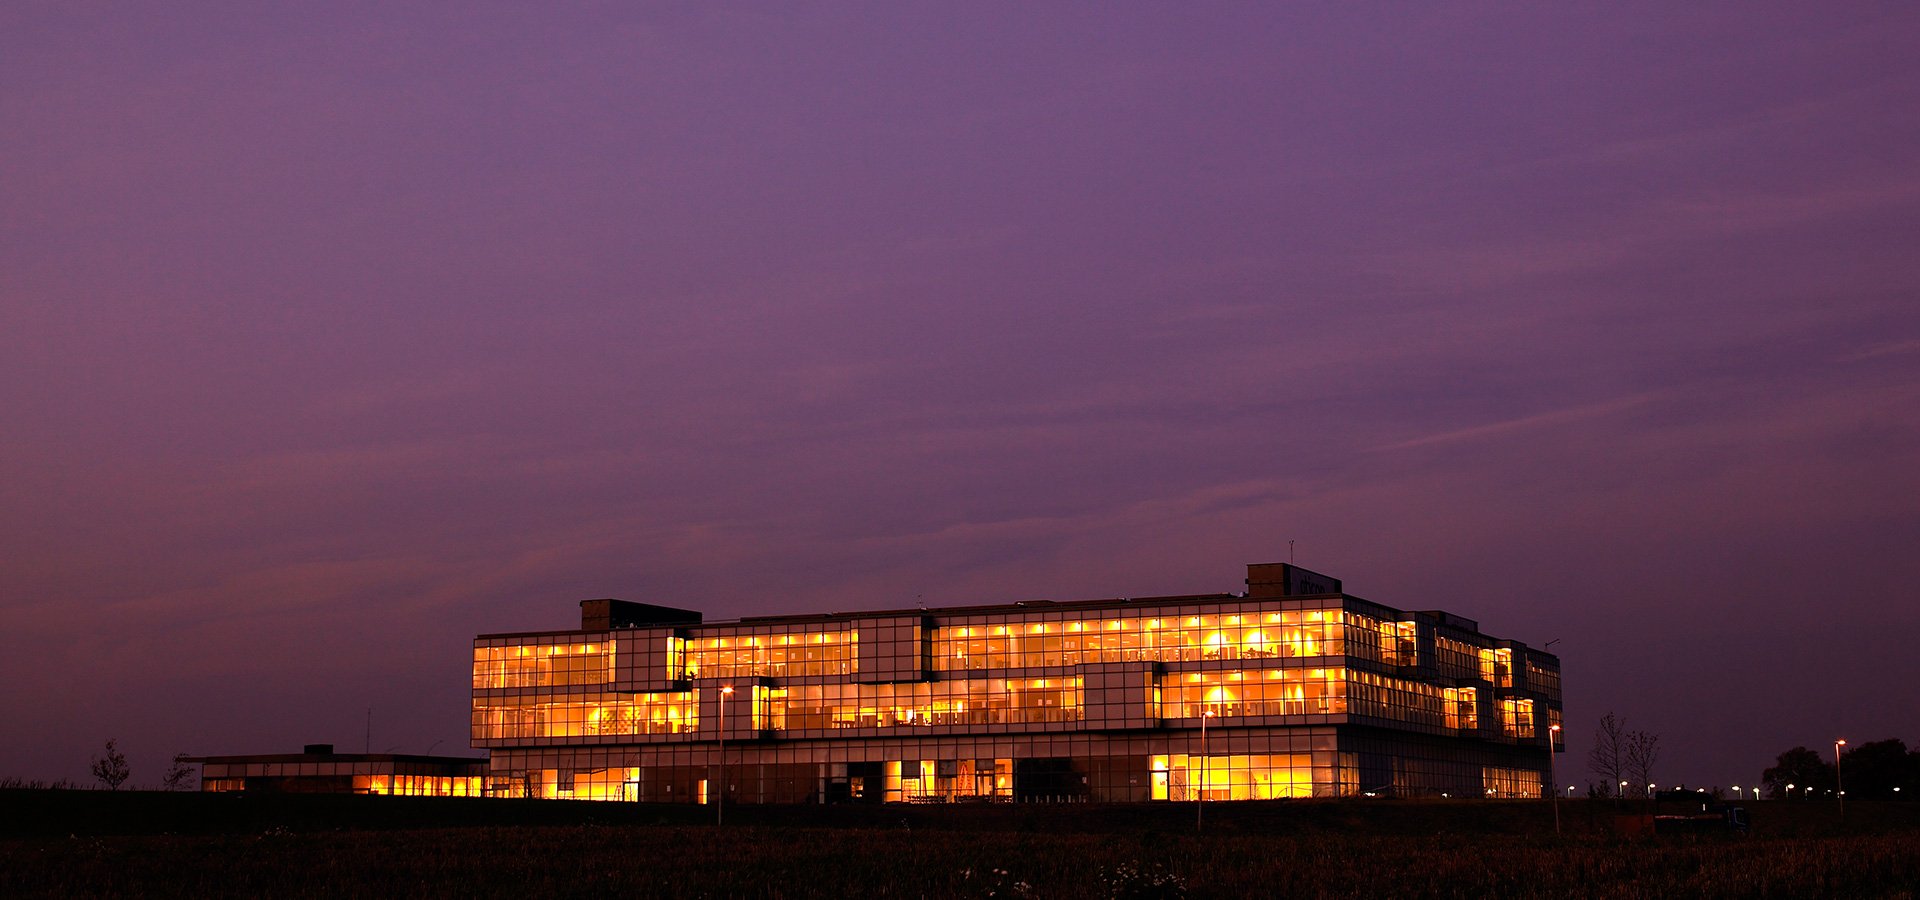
column 1300, row 696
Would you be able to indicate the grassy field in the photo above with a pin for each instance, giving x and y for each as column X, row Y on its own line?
column 335, row 846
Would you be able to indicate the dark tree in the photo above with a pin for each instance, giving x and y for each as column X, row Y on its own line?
column 1799, row 767
column 1641, row 753
column 1872, row 770
column 179, row 775
column 1607, row 759
column 111, row 769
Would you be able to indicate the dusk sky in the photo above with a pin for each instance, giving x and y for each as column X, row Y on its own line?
column 332, row 335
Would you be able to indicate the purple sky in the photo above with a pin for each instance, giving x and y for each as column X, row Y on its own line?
column 328, row 343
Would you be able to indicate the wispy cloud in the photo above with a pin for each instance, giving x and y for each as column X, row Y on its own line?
column 1524, row 423
column 1891, row 348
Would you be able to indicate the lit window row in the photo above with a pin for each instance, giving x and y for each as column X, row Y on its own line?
column 585, row 715
column 1181, row 777
column 1273, row 692
column 1511, row 784
column 418, row 785
column 984, row 701
column 1398, row 699
column 541, row 665
column 1017, row 645
column 793, row 655
column 1456, row 659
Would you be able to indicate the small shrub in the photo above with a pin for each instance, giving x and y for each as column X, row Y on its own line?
column 1142, row 881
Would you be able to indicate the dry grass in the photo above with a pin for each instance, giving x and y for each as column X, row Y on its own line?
column 1254, row 853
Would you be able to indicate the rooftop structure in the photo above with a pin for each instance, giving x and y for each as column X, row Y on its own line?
column 1292, row 689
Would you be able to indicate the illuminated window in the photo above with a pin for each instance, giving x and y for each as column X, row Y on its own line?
column 1511, row 784
column 1516, row 718
column 1497, row 666
column 786, row 655
column 1133, row 638
column 986, row 701
column 1181, row 777
column 543, row 665
column 1463, row 708
column 1272, row 692
column 576, row 715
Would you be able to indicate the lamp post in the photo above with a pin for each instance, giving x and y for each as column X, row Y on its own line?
column 1736, row 792
column 1199, row 794
column 1840, row 787
column 720, row 795
column 1623, row 790
column 1553, row 732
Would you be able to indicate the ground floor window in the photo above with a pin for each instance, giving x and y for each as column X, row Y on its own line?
column 1179, row 777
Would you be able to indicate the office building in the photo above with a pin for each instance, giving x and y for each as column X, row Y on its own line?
column 1291, row 689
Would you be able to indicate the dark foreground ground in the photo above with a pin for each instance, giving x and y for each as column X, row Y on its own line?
column 129, row 844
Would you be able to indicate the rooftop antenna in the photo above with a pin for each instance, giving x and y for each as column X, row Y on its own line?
column 368, row 746
column 1289, row 553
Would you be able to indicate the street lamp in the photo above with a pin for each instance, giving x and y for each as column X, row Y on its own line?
column 1200, row 794
column 1736, row 792
column 1623, row 790
column 1553, row 731
column 720, row 797
column 1650, row 790
column 1837, row 783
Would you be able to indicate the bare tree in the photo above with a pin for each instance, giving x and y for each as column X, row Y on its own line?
column 1642, row 751
column 179, row 776
column 112, row 769
column 1607, row 758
